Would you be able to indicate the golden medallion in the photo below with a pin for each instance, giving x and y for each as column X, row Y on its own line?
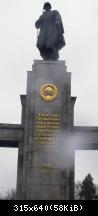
column 48, row 92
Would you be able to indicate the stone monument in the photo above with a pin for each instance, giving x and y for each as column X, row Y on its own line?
column 47, row 114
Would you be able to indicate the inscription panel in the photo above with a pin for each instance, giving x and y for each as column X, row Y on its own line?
column 47, row 127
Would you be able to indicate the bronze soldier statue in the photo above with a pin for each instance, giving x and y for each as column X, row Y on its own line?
column 50, row 39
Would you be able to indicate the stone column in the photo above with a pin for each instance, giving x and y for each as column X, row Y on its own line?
column 48, row 117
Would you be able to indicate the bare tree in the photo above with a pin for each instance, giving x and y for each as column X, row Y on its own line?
column 77, row 190
column 10, row 195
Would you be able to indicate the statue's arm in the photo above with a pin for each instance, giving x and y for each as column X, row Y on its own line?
column 38, row 23
column 58, row 18
column 58, row 22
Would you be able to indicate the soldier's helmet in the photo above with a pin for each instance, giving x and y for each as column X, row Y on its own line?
column 47, row 4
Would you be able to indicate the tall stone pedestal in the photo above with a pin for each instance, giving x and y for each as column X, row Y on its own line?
column 44, row 170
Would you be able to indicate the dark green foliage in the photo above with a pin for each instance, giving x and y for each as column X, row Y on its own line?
column 88, row 189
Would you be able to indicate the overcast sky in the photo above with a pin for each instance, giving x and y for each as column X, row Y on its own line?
column 17, row 52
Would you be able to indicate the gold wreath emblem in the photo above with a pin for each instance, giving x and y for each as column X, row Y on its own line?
column 48, row 92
